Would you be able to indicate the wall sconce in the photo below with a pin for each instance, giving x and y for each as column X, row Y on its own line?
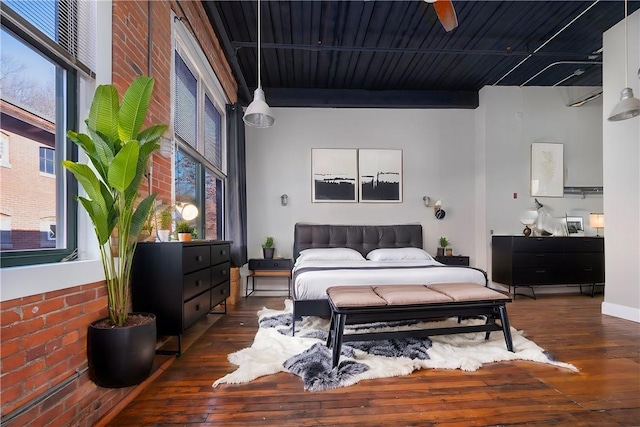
column 438, row 211
column 187, row 211
column 427, row 201
column 284, row 200
column 596, row 220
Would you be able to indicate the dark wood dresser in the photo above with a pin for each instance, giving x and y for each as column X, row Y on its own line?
column 539, row 261
column 180, row 282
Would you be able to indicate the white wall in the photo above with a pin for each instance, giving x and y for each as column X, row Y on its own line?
column 438, row 161
column 473, row 160
column 621, row 146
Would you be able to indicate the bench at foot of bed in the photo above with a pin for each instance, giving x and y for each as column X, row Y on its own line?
column 367, row 304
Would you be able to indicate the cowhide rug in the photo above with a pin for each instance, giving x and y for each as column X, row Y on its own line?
column 305, row 354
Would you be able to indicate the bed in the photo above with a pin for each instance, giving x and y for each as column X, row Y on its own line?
column 326, row 255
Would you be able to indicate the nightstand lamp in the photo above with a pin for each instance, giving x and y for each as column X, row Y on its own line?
column 596, row 220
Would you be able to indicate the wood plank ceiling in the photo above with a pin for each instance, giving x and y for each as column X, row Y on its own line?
column 396, row 53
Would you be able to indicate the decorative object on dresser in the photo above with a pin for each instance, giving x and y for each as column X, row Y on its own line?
column 166, row 221
column 267, row 248
column 184, row 230
column 521, row 261
column 274, row 268
column 453, row 260
column 596, row 220
column 180, row 282
column 529, row 220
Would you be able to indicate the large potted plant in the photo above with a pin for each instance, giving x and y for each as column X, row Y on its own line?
column 120, row 348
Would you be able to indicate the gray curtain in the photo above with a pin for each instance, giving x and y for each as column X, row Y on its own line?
column 236, row 187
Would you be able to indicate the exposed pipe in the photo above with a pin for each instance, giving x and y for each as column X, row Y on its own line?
column 559, row 63
column 239, row 45
column 546, row 42
column 41, row 398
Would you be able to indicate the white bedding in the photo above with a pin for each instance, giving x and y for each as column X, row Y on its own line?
column 313, row 284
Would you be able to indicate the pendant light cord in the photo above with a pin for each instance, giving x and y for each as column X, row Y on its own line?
column 259, row 28
column 626, row 47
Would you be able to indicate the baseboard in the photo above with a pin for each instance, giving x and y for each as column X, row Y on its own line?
column 621, row 311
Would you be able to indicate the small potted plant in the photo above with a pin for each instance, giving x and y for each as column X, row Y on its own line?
column 444, row 242
column 184, row 230
column 165, row 225
column 267, row 248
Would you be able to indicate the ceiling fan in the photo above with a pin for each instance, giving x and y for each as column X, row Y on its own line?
column 446, row 13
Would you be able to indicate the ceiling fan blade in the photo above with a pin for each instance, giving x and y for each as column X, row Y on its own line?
column 446, row 14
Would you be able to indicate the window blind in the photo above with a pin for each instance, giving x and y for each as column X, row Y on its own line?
column 186, row 113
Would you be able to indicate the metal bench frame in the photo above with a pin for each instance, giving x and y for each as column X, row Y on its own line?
column 491, row 309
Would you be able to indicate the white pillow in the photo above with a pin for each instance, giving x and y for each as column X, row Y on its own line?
column 398, row 254
column 330, row 254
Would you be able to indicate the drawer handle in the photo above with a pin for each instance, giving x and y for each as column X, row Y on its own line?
column 588, row 269
column 197, row 307
column 541, row 271
column 197, row 283
column 541, row 255
column 199, row 258
column 224, row 272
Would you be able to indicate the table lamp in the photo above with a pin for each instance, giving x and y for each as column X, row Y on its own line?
column 596, row 220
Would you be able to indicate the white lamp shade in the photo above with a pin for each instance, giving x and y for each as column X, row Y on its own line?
column 628, row 107
column 187, row 211
column 596, row 220
column 258, row 113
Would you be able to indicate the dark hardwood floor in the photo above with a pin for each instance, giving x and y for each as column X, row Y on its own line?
column 606, row 392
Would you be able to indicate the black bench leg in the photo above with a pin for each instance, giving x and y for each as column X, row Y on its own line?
column 337, row 338
column 504, row 320
column 330, row 334
column 489, row 319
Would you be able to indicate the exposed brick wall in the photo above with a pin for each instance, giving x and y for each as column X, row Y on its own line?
column 43, row 337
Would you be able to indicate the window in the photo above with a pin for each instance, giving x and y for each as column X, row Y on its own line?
column 4, row 150
column 47, row 161
column 38, row 99
column 199, row 123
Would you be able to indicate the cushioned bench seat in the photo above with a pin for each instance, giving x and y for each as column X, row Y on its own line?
column 366, row 304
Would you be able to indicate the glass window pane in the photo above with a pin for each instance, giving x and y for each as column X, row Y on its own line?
column 29, row 200
column 213, row 206
column 185, row 103
column 212, row 134
column 186, row 178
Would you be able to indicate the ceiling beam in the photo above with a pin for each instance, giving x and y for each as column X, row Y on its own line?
column 350, row 98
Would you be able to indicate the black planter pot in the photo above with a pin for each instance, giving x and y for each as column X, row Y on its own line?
column 268, row 253
column 121, row 357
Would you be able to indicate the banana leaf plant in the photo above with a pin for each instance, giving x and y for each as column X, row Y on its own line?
column 118, row 152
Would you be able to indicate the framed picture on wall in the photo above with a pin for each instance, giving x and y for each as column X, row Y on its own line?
column 334, row 174
column 380, row 175
column 547, row 169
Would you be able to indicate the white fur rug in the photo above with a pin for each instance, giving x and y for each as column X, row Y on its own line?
column 275, row 350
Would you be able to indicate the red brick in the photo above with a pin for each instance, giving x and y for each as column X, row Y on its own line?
column 63, row 315
column 94, row 306
column 13, row 362
column 80, row 297
column 12, row 378
column 18, row 302
column 42, row 308
column 22, row 328
column 35, row 352
column 10, row 348
column 42, row 336
column 10, row 316
column 42, row 381
column 10, row 394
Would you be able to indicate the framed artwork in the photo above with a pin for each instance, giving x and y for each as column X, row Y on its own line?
column 380, row 175
column 575, row 226
column 547, row 169
column 334, row 174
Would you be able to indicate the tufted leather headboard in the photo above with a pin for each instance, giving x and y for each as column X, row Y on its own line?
column 362, row 238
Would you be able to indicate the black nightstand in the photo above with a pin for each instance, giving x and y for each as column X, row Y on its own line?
column 453, row 260
column 276, row 267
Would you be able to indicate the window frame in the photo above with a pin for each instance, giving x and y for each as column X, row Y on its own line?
column 208, row 85
column 66, row 185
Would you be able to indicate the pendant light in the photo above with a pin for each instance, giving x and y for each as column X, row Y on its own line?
column 629, row 106
column 258, row 113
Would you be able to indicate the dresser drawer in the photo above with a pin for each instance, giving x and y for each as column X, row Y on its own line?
column 220, row 273
column 195, row 258
column 537, row 244
column 536, row 276
column 220, row 253
column 220, row 293
column 196, row 308
column 195, row 283
column 270, row 264
column 584, row 244
column 538, row 260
